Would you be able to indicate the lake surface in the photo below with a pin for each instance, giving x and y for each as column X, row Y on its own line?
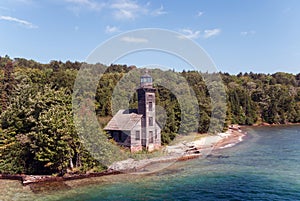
column 265, row 166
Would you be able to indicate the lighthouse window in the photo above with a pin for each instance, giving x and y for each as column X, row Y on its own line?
column 137, row 135
column 150, row 136
column 150, row 97
column 150, row 106
column 150, row 121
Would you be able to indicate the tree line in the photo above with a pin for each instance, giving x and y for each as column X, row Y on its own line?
column 38, row 135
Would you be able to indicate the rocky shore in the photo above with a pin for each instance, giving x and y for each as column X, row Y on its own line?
column 31, row 179
column 183, row 151
column 179, row 152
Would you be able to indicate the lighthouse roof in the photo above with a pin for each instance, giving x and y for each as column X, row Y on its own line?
column 123, row 120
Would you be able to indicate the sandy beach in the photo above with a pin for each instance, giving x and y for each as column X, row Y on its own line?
column 181, row 151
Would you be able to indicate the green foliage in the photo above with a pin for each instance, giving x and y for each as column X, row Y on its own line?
column 38, row 135
column 255, row 98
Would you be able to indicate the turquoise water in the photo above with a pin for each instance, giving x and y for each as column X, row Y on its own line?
column 265, row 166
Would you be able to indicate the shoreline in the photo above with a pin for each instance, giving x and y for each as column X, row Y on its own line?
column 227, row 141
column 33, row 179
column 269, row 125
column 182, row 151
column 219, row 161
column 179, row 152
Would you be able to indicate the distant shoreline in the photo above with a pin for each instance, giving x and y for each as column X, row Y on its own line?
column 270, row 125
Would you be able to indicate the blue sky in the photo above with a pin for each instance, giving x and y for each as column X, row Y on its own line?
column 239, row 35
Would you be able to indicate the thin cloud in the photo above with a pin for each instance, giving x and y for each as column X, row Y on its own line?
column 25, row 1
column 159, row 11
column 134, row 39
column 19, row 21
column 190, row 34
column 111, row 29
column 127, row 9
column 246, row 33
column 200, row 13
column 120, row 9
column 89, row 4
column 211, row 32
column 130, row 10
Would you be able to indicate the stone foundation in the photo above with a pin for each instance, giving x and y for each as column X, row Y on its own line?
column 152, row 147
column 157, row 146
column 134, row 149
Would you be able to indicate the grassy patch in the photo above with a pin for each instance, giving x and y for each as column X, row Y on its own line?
column 146, row 155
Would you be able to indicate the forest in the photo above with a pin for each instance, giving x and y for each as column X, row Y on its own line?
column 38, row 134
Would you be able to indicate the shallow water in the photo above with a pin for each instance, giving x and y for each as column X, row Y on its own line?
column 265, row 166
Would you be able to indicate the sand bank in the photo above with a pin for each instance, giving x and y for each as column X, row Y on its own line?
column 183, row 151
